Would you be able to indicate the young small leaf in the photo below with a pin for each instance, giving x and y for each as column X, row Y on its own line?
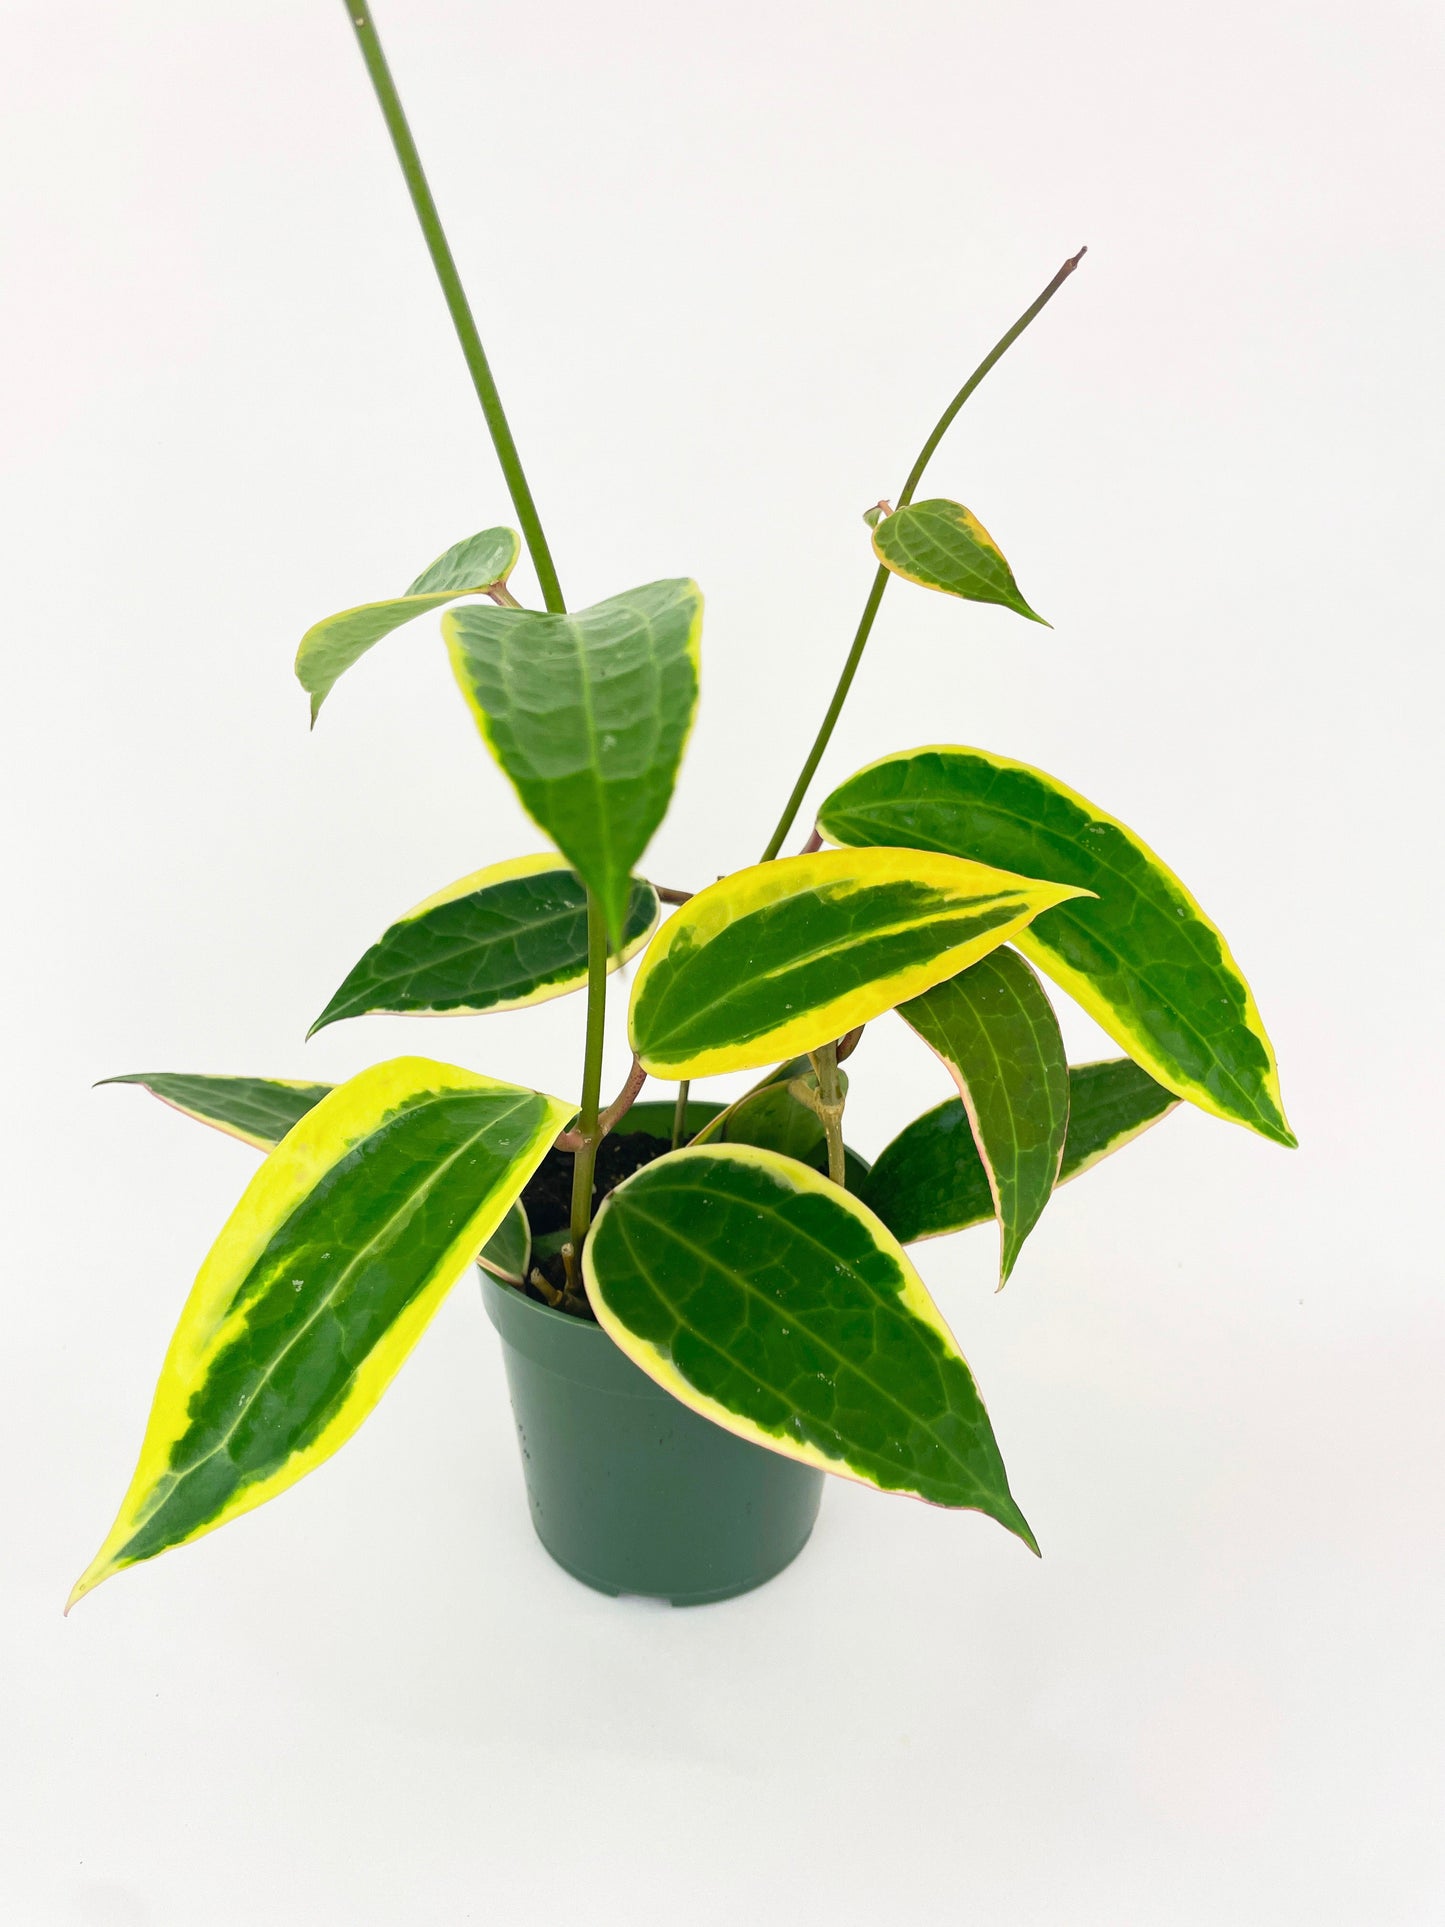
column 588, row 715
column 997, row 1034
column 784, row 957
column 509, row 935
column 1134, row 948
column 326, row 1274
column 768, row 1300
column 943, row 546
column 930, row 1180
column 470, row 567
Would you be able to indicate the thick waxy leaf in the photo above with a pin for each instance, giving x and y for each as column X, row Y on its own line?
column 770, row 1301
column 930, row 1180
column 329, row 1269
column 258, row 1110
column 513, row 934
column 997, row 1033
column 941, row 545
column 588, row 714
column 786, row 956
column 507, row 1254
column 1139, row 954
column 470, row 567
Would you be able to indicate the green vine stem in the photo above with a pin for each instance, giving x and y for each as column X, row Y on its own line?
column 589, row 1127
column 359, row 14
column 830, row 1107
column 585, row 1159
column 880, row 580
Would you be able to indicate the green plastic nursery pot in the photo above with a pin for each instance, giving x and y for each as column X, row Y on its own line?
column 630, row 1491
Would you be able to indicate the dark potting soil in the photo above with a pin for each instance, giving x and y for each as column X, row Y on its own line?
column 548, row 1196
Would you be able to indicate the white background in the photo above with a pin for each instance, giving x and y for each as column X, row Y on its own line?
column 730, row 260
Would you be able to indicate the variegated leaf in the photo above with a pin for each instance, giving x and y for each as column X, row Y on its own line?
column 784, row 957
column 329, row 1269
column 999, row 1039
column 470, row 567
column 1134, row 948
column 767, row 1299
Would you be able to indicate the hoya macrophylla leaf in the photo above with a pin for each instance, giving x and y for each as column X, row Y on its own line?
column 931, row 1180
column 942, row 545
column 326, row 1274
column 509, row 935
column 258, row 1110
column 784, row 957
column 999, row 1040
column 470, row 567
column 771, row 1302
column 588, row 715
column 1134, row 948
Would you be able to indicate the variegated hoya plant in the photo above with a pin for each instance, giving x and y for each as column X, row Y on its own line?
column 751, row 1264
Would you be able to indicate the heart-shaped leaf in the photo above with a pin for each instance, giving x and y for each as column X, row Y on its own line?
column 942, row 545
column 930, row 1180
column 1134, row 949
column 998, row 1036
column 328, row 1271
column 510, row 935
column 774, row 1304
column 784, row 957
column 588, row 715
column 470, row 567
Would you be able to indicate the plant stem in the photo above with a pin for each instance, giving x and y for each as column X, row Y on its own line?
column 679, row 1112
column 359, row 14
column 830, row 1107
column 585, row 1160
column 835, row 709
column 880, row 580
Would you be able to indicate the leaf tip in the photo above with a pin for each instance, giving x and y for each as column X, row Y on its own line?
column 1019, row 1526
column 94, row 1575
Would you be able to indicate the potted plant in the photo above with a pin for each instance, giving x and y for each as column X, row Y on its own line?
column 704, row 1307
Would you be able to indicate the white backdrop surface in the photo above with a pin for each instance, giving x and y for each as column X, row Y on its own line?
column 730, row 261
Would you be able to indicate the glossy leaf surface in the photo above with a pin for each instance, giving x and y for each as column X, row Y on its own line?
column 774, row 1304
column 941, row 545
column 784, row 957
column 470, row 567
column 930, row 1180
column 1139, row 955
column 258, row 1110
column 997, row 1034
column 588, row 715
column 509, row 935
column 329, row 1269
